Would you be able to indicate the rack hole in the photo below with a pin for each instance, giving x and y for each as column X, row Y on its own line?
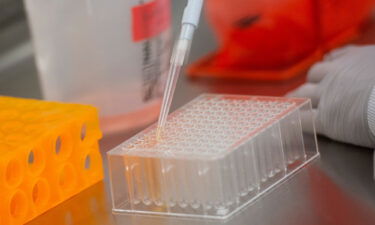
column 36, row 161
column 87, row 162
column 18, row 205
column 31, row 157
column 63, row 146
column 58, row 145
column 83, row 132
column 40, row 193
column 13, row 173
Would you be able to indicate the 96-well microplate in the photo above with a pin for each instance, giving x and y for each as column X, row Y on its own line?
column 217, row 154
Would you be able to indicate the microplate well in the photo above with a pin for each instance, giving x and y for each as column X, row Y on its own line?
column 217, row 154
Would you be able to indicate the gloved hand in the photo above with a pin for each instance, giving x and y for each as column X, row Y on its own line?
column 341, row 89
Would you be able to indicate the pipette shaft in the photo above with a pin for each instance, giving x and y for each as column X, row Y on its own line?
column 180, row 53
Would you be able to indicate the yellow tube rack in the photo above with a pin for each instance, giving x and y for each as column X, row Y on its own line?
column 48, row 152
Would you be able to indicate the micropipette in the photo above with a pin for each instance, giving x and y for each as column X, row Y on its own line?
column 180, row 53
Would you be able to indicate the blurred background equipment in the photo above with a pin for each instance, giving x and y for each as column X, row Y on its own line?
column 10, row 10
column 111, row 54
column 277, row 39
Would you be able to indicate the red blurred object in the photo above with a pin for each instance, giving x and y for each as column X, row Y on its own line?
column 277, row 39
column 340, row 20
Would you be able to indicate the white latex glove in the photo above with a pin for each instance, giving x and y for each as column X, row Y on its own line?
column 341, row 90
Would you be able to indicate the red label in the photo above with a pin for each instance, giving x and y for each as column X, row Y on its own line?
column 150, row 19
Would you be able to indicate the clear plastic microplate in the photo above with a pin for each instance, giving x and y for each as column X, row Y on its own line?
column 217, row 154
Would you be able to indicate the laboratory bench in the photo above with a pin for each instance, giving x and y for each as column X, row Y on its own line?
column 336, row 189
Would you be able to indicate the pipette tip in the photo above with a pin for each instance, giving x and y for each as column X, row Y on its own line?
column 159, row 133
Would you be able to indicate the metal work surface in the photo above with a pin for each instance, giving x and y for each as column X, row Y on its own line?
column 338, row 188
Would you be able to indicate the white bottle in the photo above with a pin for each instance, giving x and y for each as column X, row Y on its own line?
column 113, row 54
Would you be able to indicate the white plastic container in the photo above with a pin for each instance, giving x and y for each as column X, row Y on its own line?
column 112, row 54
column 218, row 154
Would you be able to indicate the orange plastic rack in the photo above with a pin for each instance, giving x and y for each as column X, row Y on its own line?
column 48, row 153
